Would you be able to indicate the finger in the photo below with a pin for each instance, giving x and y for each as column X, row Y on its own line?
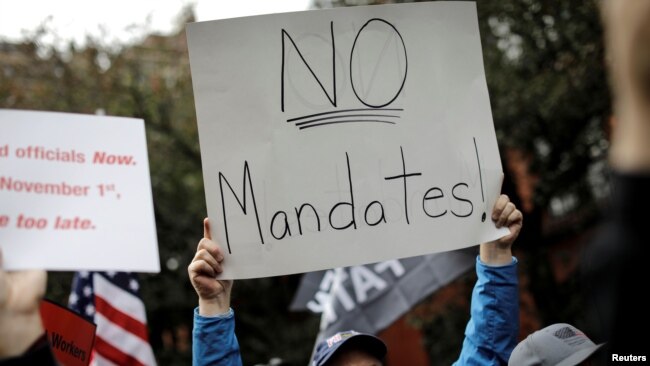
column 514, row 226
column 499, row 205
column 207, row 257
column 515, row 222
column 515, row 217
column 503, row 218
column 200, row 268
column 212, row 247
column 206, row 228
column 218, row 254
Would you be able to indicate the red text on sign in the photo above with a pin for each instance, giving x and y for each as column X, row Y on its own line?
column 102, row 157
column 74, row 223
column 25, row 222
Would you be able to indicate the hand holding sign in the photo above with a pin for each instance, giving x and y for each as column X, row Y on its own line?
column 214, row 294
column 504, row 214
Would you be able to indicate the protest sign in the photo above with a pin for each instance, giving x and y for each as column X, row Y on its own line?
column 75, row 193
column 71, row 335
column 344, row 136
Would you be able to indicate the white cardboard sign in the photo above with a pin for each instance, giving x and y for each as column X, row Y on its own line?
column 345, row 136
column 75, row 193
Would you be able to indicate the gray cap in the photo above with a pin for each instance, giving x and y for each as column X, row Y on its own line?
column 556, row 345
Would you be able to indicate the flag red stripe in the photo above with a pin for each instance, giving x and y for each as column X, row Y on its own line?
column 115, row 355
column 120, row 319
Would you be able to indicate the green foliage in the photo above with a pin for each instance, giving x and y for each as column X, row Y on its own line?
column 552, row 100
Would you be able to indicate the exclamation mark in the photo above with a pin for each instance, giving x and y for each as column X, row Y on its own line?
column 480, row 175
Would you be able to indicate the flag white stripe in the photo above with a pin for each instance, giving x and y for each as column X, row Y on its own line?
column 98, row 360
column 123, row 340
column 120, row 299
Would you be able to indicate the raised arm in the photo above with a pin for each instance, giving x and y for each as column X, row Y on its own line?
column 214, row 294
column 213, row 337
column 491, row 332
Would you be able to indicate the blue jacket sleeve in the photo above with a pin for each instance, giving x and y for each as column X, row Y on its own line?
column 491, row 332
column 213, row 340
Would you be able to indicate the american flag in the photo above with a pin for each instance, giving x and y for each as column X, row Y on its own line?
column 112, row 301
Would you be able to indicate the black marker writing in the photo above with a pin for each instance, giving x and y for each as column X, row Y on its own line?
column 382, row 217
column 480, row 175
column 435, row 205
column 361, row 54
column 287, row 229
column 471, row 206
column 353, row 221
column 404, row 176
column 299, row 215
column 377, row 104
column 242, row 203
column 331, row 98
column 355, row 115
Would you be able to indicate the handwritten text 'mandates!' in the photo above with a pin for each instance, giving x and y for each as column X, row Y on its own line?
column 374, row 213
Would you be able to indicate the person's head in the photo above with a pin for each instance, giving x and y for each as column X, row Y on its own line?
column 556, row 345
column 350, row 348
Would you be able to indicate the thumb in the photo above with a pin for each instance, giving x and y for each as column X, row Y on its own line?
column 206, row 229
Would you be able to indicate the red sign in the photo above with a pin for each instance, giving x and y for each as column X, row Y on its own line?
column 71, row 336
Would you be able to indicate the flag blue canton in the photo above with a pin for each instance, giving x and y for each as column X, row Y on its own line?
column 82, row 296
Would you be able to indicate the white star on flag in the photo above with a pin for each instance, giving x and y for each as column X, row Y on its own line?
column 90, row 310
column 73, row 298
column 133, row 285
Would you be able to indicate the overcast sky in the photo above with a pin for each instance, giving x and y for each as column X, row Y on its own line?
column 121, row 20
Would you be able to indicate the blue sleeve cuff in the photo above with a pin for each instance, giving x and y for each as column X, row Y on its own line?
column 506, row 274
column 479, row 262
column 227, row 315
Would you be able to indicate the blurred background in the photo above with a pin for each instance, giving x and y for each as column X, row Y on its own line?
column 551, row 106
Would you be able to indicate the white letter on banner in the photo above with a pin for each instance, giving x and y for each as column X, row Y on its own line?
column 394, row 264
column 332, row 286
column 363, row 280
column 323, row 304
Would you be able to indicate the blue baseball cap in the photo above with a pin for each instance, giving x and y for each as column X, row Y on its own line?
column 366, row 342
